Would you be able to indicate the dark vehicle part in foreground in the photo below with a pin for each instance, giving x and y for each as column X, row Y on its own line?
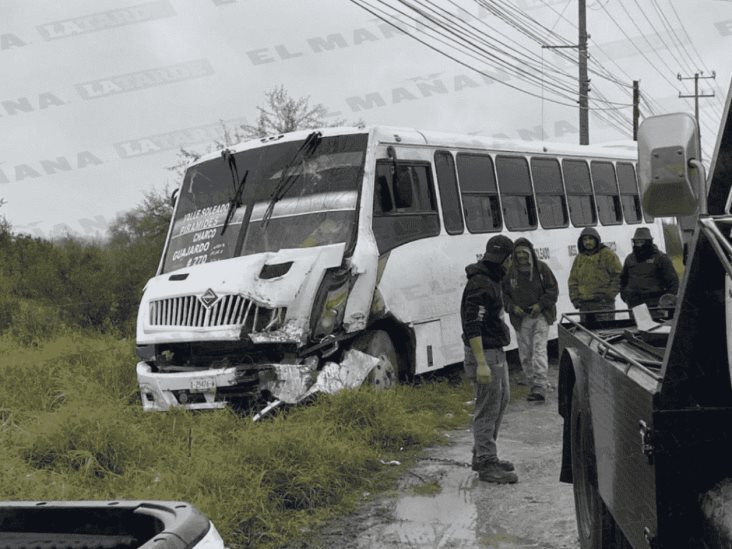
column 105, row 525
column 648, row 409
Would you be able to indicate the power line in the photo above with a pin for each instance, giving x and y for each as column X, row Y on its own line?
column 370, row 9
column 696, row 96
column 388, row 18
column 473, row 33
column 632, row 42
column 458, row 39
column 671, row 33
column 699, row 57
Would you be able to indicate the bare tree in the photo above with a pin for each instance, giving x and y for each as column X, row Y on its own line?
column 283, row 113
column 229, row 136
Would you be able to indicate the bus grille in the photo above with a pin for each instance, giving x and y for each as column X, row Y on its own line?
column 228, row 310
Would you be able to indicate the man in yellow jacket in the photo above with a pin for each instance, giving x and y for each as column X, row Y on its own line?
column 594, row 280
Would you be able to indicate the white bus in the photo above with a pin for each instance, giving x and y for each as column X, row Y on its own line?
column 319, row 259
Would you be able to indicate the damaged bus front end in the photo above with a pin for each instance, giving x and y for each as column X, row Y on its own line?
column 261, row 276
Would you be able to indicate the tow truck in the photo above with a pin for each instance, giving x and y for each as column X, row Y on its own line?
column 647, row 406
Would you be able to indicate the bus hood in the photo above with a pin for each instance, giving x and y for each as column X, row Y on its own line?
column 213, row 301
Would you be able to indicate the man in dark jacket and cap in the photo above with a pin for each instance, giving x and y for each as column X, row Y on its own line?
column 647, row 274
column 594, row 280
column 485, row 334
column 530, row 292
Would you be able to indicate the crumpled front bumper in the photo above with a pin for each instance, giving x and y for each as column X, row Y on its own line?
column 161, row 391
column 288, row 383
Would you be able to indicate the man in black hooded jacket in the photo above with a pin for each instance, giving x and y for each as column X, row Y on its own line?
column 485, row 334
column 647, row 274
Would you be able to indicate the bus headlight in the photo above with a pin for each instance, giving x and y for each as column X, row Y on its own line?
column 327, row 322
column 330, row 308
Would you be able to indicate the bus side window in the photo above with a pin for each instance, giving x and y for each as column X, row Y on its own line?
column 519, row 208
column 406, row 209
column 579, row 193
column 606, row 193
column 480, row 193
column 383, row 202
column 449, row 196
column 629, row 197
column 423, row 192
column 403, row 195
column 550, row 199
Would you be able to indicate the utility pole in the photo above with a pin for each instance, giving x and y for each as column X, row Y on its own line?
column 697, row 76
column 636, row 109
column 584, row 83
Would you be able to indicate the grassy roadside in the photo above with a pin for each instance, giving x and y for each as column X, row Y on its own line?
column 71, row 428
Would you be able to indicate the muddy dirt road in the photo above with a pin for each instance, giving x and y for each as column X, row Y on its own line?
column 440, row 503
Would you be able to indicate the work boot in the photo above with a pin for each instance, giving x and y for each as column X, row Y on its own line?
column 537, row 394
column 476, row 464
column 505, row 465
column 491, row 471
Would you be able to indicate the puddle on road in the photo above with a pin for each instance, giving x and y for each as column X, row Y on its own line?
column 452, row 518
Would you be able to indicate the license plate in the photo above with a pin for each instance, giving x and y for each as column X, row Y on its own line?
column 202, row 384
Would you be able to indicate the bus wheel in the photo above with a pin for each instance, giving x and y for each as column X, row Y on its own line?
column 377, row 343
column 592, row 523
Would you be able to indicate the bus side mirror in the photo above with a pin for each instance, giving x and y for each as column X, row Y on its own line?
column 173, row 196
column 670, row 172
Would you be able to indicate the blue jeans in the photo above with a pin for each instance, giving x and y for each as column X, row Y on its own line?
column 490, row 401
column 531, row 337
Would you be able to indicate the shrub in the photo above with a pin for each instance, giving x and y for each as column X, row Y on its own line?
column 8, row 306
column 34, row 323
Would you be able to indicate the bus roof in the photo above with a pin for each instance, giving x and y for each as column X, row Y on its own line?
column 409, row 136
column 396, row 135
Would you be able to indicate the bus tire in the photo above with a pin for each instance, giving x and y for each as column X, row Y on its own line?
column 377, row 343
column 592, row 516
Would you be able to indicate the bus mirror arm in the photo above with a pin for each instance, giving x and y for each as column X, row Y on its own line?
column 391, row 153
column 702, row 191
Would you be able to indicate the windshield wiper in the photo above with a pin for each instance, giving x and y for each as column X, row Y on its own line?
column 287, row 178
column 238, row 187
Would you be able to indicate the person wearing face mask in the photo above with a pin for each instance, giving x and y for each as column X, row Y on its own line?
column 594, row 280
column 530, row 291
column 485, row 334
column 647, row 274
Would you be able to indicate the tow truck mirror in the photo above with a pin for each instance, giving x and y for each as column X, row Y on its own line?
column 669, row 165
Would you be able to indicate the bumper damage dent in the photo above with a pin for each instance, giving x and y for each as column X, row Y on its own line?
column 287, row 383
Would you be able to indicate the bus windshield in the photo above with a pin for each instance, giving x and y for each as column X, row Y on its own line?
column 316, row 198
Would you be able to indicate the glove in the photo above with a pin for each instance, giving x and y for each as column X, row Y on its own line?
column 535, row 310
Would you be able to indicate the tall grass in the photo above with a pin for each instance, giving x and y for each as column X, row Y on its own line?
column 71, row 427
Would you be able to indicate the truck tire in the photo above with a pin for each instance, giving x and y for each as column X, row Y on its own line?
column 378, row 343
column 592, row 516
column 596, row 526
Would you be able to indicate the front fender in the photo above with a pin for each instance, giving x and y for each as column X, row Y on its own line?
column 567, row 380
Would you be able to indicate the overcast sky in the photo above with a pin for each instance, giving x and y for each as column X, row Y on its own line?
column 97, row 96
